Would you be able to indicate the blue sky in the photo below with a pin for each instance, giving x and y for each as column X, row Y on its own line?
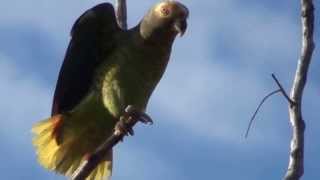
column 218, row 73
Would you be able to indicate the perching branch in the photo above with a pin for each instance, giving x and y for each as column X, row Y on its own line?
column 123, row 127
column 296, row 165
column 93, row 161
column 121, row 13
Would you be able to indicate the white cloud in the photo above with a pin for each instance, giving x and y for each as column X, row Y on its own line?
column 23, row 100
column 135, row 162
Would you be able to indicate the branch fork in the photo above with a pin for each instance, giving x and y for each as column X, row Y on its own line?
column 280, row 90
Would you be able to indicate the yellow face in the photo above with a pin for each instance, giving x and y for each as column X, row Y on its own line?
column 171, row 9
column 167, row 17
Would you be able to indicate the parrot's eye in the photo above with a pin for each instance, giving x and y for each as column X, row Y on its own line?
column 165, row 11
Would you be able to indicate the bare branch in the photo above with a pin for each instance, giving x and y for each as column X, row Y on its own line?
column 92, row 162
column 296, row 160
column 121, row 13
column 282, row 90
column 130, row 118
column 258, row 108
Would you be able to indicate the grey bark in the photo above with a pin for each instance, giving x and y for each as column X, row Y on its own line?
column 296, row 159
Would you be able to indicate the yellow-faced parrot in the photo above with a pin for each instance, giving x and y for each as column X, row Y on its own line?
column 105, row 70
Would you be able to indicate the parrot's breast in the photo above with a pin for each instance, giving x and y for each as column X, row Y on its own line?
column 129, row 76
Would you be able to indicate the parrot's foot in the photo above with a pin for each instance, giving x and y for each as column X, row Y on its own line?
column 129, row 118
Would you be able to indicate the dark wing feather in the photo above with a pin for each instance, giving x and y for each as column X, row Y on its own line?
column 92, row 39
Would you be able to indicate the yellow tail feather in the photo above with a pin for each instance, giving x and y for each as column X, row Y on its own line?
column 66, row 157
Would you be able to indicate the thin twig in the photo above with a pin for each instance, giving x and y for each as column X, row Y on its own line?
column 296, row 160
column 282, row 89
column 258, row 108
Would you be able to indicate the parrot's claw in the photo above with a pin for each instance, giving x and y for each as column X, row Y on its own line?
column 141, row 116
column 123, row 125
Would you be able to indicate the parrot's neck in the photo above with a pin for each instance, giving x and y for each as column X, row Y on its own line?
column 150, row 34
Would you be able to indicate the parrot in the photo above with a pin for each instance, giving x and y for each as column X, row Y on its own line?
column 105, row 69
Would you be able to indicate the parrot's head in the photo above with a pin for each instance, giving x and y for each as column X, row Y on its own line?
column 165, row 19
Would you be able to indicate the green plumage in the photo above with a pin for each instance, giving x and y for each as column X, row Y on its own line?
column 105, row 70
column 131, row 73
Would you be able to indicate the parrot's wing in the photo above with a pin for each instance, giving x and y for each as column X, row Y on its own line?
column 92, row 34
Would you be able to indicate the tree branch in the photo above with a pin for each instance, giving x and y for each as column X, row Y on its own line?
column 93, row 161
column 296, row 159
column 123, row 127
column 121, row 13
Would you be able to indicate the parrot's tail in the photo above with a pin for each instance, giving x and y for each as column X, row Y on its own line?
column 67, row 156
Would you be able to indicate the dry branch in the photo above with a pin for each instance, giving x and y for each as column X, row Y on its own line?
column 123, row 128
column 121, row 13
column 296, row 165
column 93, row 161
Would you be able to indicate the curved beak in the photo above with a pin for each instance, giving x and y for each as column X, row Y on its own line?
column 180, row 26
